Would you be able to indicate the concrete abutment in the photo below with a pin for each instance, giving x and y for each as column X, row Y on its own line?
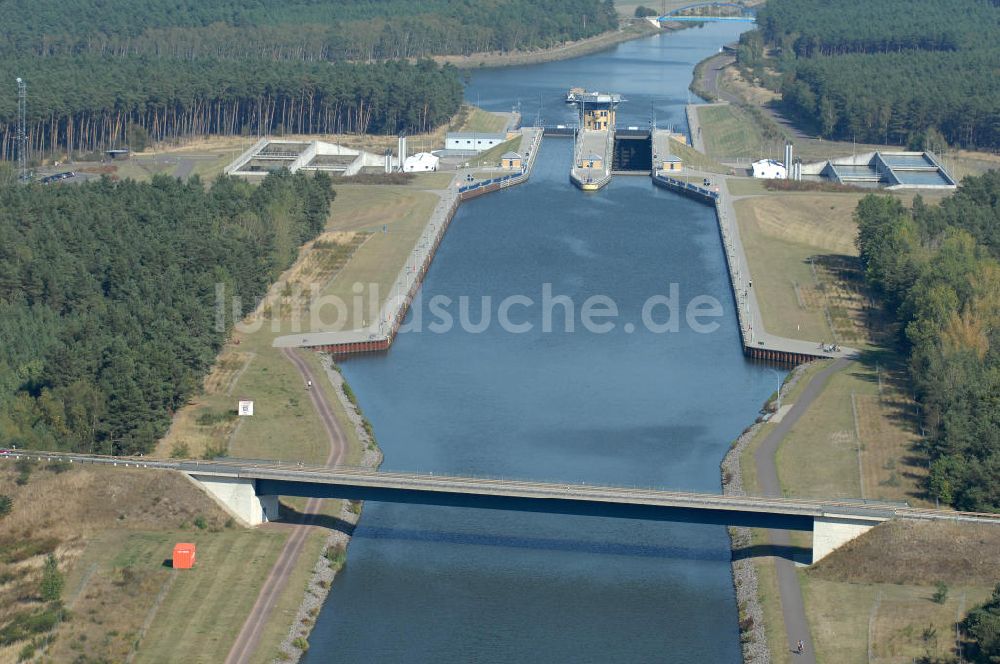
column 832, row 532
column 238, row 497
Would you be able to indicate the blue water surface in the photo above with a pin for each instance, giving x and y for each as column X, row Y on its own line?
column 436, row 584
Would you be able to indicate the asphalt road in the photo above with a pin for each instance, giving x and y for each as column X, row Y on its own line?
column 792, row 607
column 710, row 74
column 249, row 636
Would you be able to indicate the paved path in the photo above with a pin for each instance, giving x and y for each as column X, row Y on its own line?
column 710, row 74
column 792, row 606
column 249, row 636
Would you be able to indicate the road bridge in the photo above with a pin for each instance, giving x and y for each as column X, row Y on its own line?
column 250, row 489
column 710, row 12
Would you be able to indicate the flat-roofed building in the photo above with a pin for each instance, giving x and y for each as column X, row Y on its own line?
column 272, row 154
column 468, row 141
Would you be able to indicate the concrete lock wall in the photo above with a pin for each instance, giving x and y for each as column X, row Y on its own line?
column 239, row 498
column 830, row 533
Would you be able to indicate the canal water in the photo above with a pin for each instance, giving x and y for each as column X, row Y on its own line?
column 627, row 406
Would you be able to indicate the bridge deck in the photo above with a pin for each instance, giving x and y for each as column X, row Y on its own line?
column 297, row 479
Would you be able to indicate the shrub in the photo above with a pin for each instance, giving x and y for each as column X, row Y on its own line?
column 27, row 652
column 300, row 643
column 208, row 417
column 180, row 451
column 214, row 452
column 24, row 468
column 337, row 555
column 14, row 550
column 983, row 625
column 349, row 393
column 52, row 580
column 200, row 523
column 25, row 625
column 941, row 594
column 377, row 178
column 129, row 577
column 6, row 505
column 369, row 429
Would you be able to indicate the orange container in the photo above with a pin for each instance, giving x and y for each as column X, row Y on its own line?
column 184, row 555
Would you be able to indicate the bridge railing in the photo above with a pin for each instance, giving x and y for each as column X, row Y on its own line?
column 237, row 463
column 703, row 12
column 561, row 488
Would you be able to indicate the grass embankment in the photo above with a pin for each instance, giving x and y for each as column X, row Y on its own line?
column 878, row 589
column 353, row 249
column 405, row 213
column 696, row 160
column 857, row 440
column 473, row 118
column 871, row 601
column 729, row 133
column 877, row 594
column 804, row 265
column 491, row 158
column 111, row 530
column 853, row 443
column 248, row 367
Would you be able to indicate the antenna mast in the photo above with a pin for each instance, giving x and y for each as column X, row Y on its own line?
column 22, row 134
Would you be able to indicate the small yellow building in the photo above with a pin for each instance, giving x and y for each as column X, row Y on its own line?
column 673, row 163
column 598, row 118
column 591, row 161
column 597, row 110
column 512, row 161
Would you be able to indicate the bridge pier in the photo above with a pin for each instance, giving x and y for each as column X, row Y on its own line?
column 832, row 532
column 238, row 496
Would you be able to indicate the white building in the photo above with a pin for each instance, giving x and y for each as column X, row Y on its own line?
column 273, row 154
column 468, row 141
column 769, row 169
column 420, row 163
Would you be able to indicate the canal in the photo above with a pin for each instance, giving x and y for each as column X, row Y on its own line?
column 626, row 405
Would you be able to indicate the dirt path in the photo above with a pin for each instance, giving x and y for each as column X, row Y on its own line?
column 249, row 636
column 792, row 607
